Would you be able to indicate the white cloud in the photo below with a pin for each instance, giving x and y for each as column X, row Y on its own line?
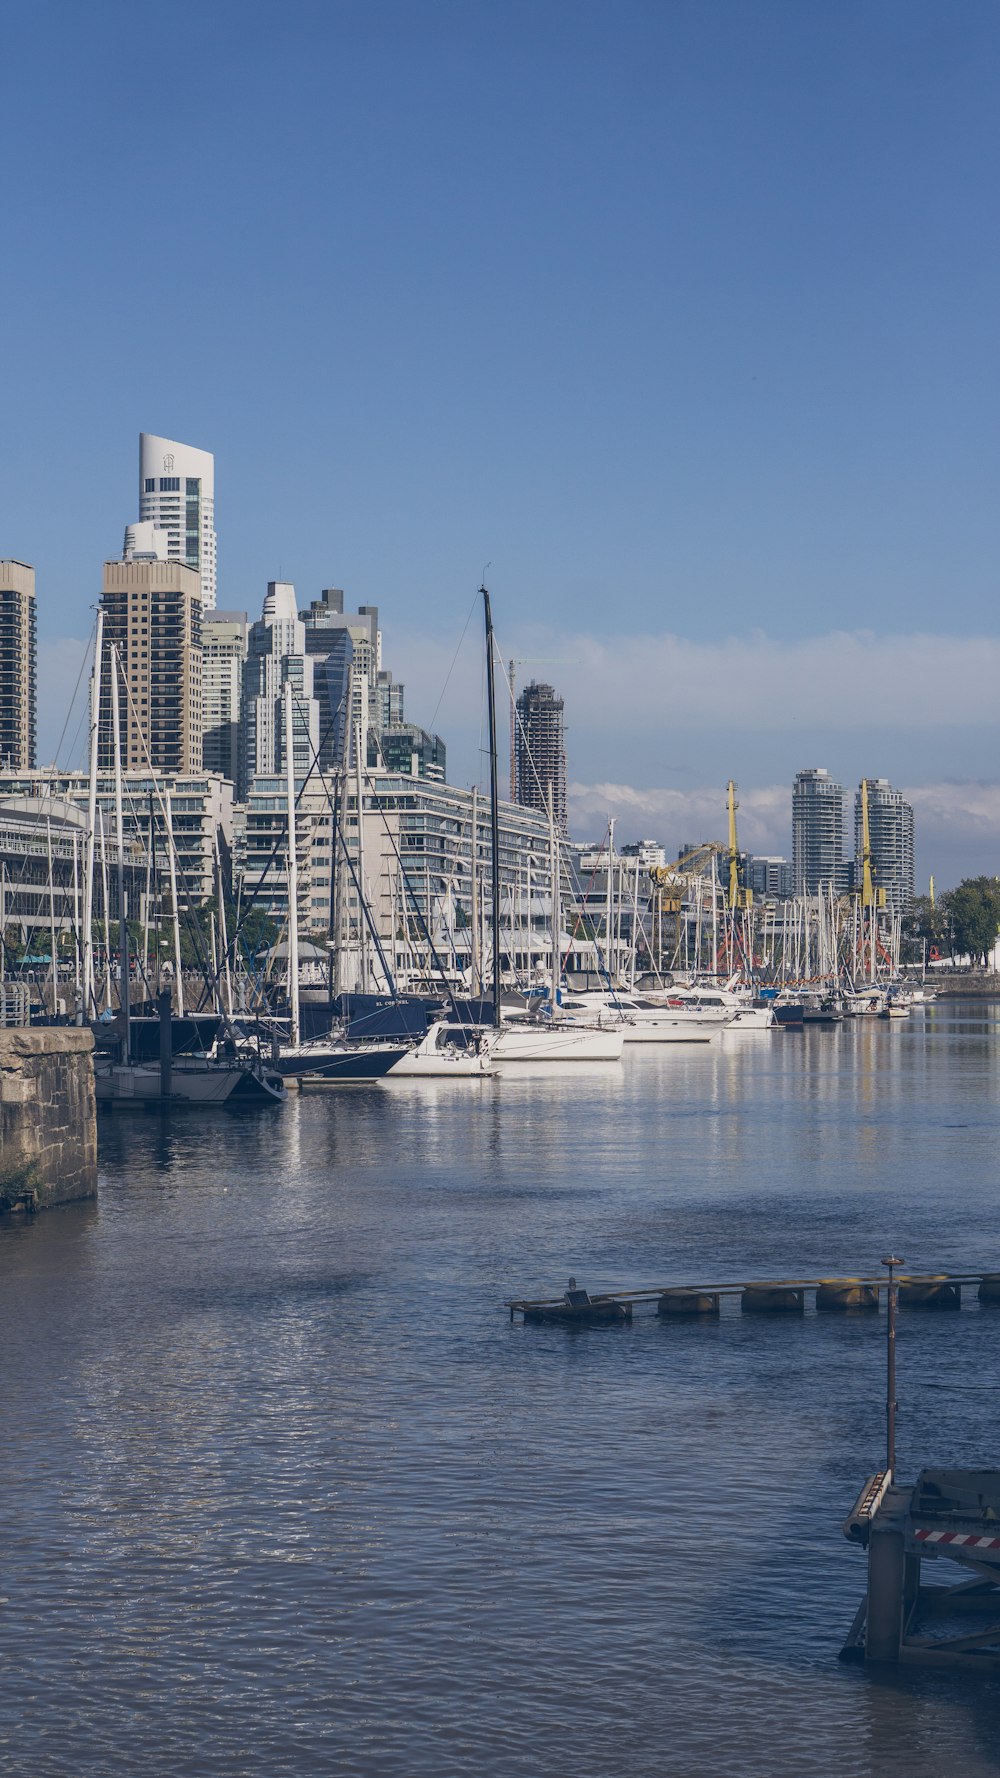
column 957, row 825
column 624, row 690
column 676, row 816
column 753, row 683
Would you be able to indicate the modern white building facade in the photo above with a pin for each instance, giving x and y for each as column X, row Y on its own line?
column 201, row 815
column 177, row 494
column 223, row 654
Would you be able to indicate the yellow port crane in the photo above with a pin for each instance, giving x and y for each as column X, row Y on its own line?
column 670, row 884
column 739, row 895
column 871, row 896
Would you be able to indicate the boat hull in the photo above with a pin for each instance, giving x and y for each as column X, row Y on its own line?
column 523, row 1043
column 193, row 1081
column 368, row 1061
column 666, row 1031
column 750, row 1019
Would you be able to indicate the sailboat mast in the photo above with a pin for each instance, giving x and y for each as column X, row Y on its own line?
column 359, row 798
column 172, row 865
column 494, row 804
column 76, row 921
column 474, row 939
column 609, row 939
column 89, row 1004
column 123, row 965
column 53, row 947
column 293, row 877
column 554, row 875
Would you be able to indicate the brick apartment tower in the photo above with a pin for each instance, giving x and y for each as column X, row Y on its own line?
column 152, row 614
column 540, row 752
column 17, row 666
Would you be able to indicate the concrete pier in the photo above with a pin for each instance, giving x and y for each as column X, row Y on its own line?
column 949, row 1514
column 48, row 1122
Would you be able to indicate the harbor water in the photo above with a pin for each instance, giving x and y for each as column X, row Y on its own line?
column 284, row 1492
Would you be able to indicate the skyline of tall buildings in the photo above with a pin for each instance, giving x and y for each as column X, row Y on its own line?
column 202, row 687
column 819, row 830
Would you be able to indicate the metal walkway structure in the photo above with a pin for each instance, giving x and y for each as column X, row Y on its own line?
column 949, row 1515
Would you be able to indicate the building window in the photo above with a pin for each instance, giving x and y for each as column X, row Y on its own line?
column 192, row 485
column 150, row 485
column 170, row 484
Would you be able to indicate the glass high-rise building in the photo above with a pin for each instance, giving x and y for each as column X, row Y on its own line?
column 177, row 493
column 17, row 665
column 818, row 833
column 890, row 835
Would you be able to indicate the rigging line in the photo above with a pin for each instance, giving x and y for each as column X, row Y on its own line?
column 193, row 929
column 451, row 669
column 422, row 923
column 521, row 730
column 580, row 916
column 280, row 842
column 315, row 766
column 72, row 703
column 355, row 879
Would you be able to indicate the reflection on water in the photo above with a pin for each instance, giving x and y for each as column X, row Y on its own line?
column 285, row 1492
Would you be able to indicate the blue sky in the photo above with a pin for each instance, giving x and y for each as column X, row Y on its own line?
column 682, row 316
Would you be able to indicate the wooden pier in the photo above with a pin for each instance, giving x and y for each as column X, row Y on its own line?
column 768, row 1296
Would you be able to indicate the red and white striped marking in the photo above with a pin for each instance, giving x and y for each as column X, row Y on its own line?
column 957, row 1537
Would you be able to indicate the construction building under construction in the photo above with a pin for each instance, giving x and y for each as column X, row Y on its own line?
column 540, row 752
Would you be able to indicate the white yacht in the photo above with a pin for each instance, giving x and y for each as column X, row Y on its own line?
column 640, row 1020
column 448, row 1052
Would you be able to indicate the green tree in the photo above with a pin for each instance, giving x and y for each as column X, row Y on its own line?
column 927, row 923
column 974, row 911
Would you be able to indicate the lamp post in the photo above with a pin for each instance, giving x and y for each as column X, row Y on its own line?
column 890, row 1369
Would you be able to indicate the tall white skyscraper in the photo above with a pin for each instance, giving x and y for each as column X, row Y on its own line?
column 177, row 493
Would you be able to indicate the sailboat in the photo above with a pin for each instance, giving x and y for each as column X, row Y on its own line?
column 544, row 1038
column 448, row 1052
column 197, row 1079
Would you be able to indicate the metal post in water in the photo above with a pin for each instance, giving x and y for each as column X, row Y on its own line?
column 890, row 1369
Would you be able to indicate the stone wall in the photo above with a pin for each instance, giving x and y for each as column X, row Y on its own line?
column 48, row 1122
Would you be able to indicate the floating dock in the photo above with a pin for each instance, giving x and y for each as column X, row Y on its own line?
column 786, row 1296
